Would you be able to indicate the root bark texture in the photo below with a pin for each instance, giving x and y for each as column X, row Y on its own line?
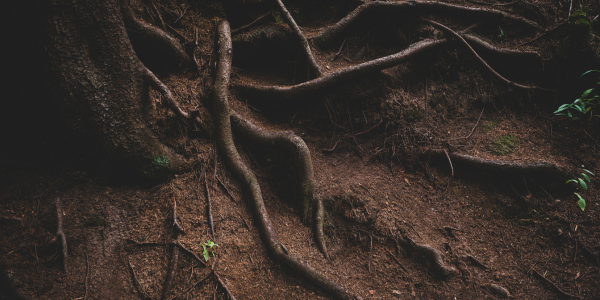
column 411, row 8
column 319, row 84
column 433, row 256
column 301, row 156
column 246, row 176
column 502, row 52
column 314, row 66
column 540, row 167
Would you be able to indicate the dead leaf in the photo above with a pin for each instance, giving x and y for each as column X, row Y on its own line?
column 406, row 179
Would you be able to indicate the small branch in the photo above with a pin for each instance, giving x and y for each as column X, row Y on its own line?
column 556, row 288
column 166, row 93
column 339, row 51
column 314, row 66
column 162, row 22
column 454, row 33
column 209, row 210
column 137, row 282
column 398, row 261
column 234, row 31
column 472, row 130
column 176, row 224
column 60, row 235
column 87, row 274
column 226, row 189
column 224, row 286
column 450, row 161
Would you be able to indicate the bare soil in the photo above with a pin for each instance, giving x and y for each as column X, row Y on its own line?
column 379, row 187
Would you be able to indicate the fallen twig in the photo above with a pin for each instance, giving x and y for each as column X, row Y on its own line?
column 339, row 51
column 209, row 210
column 454, row 33
column 226, row 189
column 250, row 24
column 450, row 161
column 166, row 93
column 472, row 130
column 556, row 288
column 176, row 224
column 4, row 218
column 313, row 64
column 224, row 286
column 398, row 261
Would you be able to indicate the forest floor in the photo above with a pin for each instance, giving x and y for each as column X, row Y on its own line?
column 377, row 145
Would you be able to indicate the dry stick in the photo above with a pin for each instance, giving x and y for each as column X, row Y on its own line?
column 224, row 286
column 316, row 85
column 374, row 8
column 470, row 134
column 209, row 210
column 166, row 93
column 398, row 261
column 314, row 66
column 246, row 176
column 196, row 49
column 454, row 33
column 226, row 189
column 591, row 137
column 60, row 235
column 556, row 288
column 302, row 160
column 250, row 24
column 159, row 16
column 340, row 51
column 87, row 273
column 176, row 224
column 450, row 161
column 4, row 218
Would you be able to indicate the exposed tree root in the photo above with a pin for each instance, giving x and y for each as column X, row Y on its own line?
column 234, row 31
column 454, row 33
column 321, row 83
column 433, row 256
column 505, row 53
column 314, row 66
column 412, row 8
column 554, row 286
column 174, row 255
column 540, row 167
column 166, row 93
column 301, row 155
column 60, row 238
column 498, row 290
column 246, row 176
column 161, row 40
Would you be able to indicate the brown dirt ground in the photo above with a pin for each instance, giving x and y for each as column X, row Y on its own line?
column 379, row 187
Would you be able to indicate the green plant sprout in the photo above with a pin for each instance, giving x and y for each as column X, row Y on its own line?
column 582, row 183
column 583, row 105
column 209, row 246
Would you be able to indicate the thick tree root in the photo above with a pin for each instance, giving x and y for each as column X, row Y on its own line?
column 319, row 84
column 301, row 156
column 539, row 168
column 412, row 8
column 314, row 66
column 433, row 257
column 162, row 41
column 60, row 238
column 454, row 33
column 247, row 177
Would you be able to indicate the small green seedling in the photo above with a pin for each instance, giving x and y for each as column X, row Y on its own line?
column 581, row 182
column 209, row 246
column 584, row 105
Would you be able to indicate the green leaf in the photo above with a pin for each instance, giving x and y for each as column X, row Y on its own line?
column 590, row 71
column 205, row 252
column 588, row 171
column 581, row 202
column 587, row 93
column 586, row 177
column 570, row 180
column 582, row 183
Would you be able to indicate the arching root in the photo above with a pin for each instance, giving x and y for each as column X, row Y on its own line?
column 540, row 168
column 301, row 157
column 433, row 256
column 163, row 41
column 454, row 33
column 314, row 66
column 505, row 53
column 246, row 176
column 321, row 83
column 411, row 8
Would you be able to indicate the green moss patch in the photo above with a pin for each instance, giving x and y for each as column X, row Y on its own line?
column 489, row 125
column 504, row 145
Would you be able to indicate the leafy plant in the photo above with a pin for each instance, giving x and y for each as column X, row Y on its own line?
column 583, row 105
column 581, row 182
column 501, row 35
column 209, row 246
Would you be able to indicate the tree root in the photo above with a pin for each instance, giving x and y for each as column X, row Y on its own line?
column 555, row 287
column 161, row 40
column 540, row 167
column 293, row 144
column 209, row 210
column 498, row 290
column 506, row 53
column 246, row 176
column 433, row 256
column 224, row 286
column 314, row 66
column 234, row 31
column 454, row 33
column 166, row 93
column 317, row 85
column 375, row 8
column 60, row 238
